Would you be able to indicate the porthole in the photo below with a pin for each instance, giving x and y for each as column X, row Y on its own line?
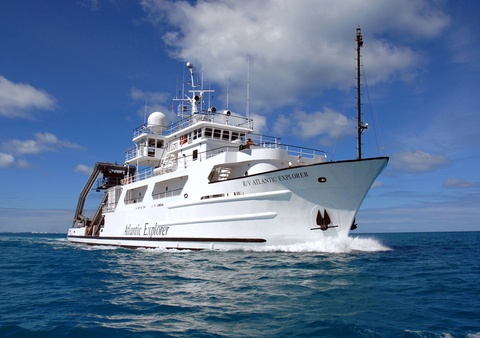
column 185, row 195
column 322, row 179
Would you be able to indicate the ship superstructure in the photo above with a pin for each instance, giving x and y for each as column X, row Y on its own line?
column 207, row 181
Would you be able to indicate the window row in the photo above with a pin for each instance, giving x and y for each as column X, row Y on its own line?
column 213, row 133
column 161, row 189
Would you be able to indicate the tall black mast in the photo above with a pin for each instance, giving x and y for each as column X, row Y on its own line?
column 360, row 125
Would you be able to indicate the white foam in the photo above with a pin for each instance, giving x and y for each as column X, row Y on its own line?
column 429, row 334
column 85, row 247
column 161, row 249
column 473, row 335
column 327, row 245
column 330, row 245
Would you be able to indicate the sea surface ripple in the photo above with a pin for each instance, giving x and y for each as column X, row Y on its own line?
column 382, row 285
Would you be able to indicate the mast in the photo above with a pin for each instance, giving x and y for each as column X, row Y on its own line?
column 196, row 101
column 360, row 125
column 248, row 87
column 359, row 120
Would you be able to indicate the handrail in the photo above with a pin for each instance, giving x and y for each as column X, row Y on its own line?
column 134, row 200
column 166, row 194
column 232, row 120
column 186, row 161
column 292, row 149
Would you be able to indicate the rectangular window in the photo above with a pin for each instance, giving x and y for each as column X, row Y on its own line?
column 217, row 133
column 169, row 188
column 195, row 154
column 135, row 195
column 151, row 147
column 208, row 132
column 234, row 135
column 226, row 135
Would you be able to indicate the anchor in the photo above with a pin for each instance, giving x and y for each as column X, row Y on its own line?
column 323, row 222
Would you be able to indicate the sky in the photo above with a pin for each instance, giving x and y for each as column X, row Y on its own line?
column 76, row 77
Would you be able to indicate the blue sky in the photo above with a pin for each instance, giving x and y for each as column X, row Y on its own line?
column 75, row 76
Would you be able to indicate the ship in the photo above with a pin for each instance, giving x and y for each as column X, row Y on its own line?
column 207, row 181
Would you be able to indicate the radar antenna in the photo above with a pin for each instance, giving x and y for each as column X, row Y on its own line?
column 195, row 101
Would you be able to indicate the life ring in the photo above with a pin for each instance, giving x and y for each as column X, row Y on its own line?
column 184, row 140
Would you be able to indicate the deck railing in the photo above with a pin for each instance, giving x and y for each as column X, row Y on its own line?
column 231, row 120
column 167, row 194
column 169, row 165
column 109, row 207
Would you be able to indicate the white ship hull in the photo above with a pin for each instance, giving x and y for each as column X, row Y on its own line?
column 207, row 185
column 278, row 207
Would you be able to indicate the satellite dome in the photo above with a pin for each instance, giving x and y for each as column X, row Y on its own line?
column 157, row 122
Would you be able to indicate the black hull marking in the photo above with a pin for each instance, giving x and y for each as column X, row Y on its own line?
column 175, row 239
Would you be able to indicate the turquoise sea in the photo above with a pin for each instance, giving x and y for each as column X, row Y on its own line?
column 379, row 285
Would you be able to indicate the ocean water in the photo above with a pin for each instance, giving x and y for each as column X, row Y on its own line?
column 382, row 285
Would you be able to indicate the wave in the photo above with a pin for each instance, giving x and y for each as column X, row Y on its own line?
column 328, row 245
column 325, row 245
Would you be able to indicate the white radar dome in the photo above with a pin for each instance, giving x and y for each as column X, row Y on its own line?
column 157, row 122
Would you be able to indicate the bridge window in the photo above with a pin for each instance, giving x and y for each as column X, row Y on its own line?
column 197, row 133
column 226, row 135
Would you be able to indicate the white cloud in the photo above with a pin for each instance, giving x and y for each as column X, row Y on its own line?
column 461, row 42
column 259, row 123
column 418, row 161
column 19, row 99
column 46, row 142
column 43, row 142
column 282, row 125
column 8, row 161
column 457, row 183
column 295, row 47
column 328, row 123
column 153, row 97
column 94, row 5
column 434, row 216
column 155, row 101
column 377, row 184
column 83, row 169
